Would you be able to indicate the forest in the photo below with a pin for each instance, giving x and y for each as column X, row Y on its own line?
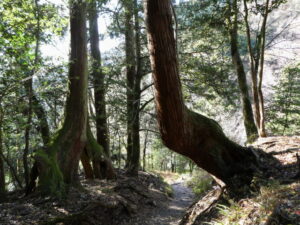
column 150, row 112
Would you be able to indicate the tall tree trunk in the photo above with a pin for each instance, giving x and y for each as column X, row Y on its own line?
column 133, row 75
column 2, row 172
column 183, row 131
column 256, row 56
column 130, row 72
column 253, row 68
column 134, row 157
column 27, row 132
column 36, row 107
column 251, row 130
column 262, row 131
column 60, row 165
column 29, row 91
column 98, row 80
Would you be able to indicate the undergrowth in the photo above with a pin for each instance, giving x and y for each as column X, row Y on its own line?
column 257, row 210
column 200, row 182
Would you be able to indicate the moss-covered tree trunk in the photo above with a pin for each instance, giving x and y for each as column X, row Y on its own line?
column 249, row 123
column 183, row 131
column 59, row 166
column 98, row 80
column 35, row 104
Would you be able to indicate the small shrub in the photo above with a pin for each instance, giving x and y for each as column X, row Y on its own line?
column 200, row 182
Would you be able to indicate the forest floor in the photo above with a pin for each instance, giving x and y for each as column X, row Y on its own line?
column 146, row 200
column 149, row 200
column 274, row 201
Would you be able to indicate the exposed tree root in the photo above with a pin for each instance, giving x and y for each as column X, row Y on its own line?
column 202, row 207
column 101, row 209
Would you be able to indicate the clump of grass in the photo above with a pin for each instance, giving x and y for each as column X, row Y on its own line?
column 200, row 182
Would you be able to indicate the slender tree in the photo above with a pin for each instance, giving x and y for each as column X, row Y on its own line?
column 98, row 80
column 2, row 172
column 256, row 55
column 182, row 130
column 133, row 77
column 249, row 122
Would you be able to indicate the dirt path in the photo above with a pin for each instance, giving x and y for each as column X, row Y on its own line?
column 183, row 198
column 168, row 212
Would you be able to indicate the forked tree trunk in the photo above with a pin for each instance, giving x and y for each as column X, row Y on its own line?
column 256, row 56
column 262, row 130
column 183, row 131
column 59, row 167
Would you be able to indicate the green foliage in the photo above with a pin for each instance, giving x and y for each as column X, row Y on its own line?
column 204, row 52
column 284, row 112
column 200, row 182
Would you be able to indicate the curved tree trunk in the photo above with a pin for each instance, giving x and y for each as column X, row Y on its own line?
column 183, row 131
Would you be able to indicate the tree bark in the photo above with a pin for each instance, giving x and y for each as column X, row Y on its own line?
column 133, row 75
column 249, row 123
column 59, row 166
column 134, row 162
column 256, row 56
column 130, row 72
column 183, row 131
column 28, row 87
column 262, row 130
column 88, row 170
column 2, row 172
column 98, row 80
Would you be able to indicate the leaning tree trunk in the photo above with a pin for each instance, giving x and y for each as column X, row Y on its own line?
column 183, row 131
column 250, row 127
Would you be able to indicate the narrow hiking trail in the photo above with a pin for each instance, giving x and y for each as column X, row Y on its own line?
column 182, row 199
column 168, row 211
